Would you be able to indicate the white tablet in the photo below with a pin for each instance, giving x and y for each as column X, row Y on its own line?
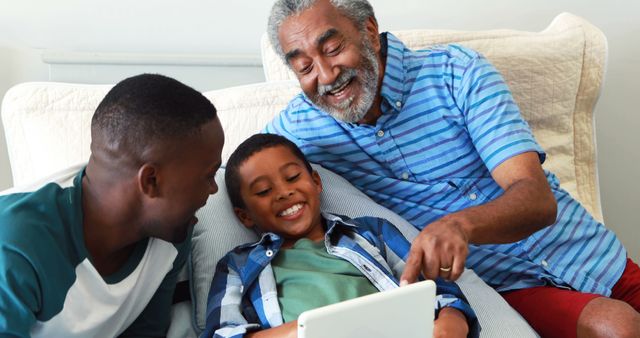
column 406, row 312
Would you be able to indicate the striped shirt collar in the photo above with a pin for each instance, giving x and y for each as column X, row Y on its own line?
column 394, row 72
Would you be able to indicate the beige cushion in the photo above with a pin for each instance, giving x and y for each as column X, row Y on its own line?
column 555, row 76
column 47, row 126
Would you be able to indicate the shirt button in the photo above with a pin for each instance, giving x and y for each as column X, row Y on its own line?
column 398, row 104
column 380, row 133
column 405, row 176
column 544, row 263
column 473, row 196
column 367, row 268
column 269, row 253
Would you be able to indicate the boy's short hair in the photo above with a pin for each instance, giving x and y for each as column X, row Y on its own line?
column 247, row 149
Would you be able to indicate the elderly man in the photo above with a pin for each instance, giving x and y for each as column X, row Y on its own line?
column 96, row 253
column 436, row 136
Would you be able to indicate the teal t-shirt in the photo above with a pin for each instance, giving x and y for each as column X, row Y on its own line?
column 48, row 284
column 308, row 277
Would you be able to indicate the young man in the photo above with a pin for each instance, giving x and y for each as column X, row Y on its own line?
column 96, row 252
column 436, row 136
column 310, row 259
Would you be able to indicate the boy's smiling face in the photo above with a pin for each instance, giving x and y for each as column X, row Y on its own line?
column 280, row 195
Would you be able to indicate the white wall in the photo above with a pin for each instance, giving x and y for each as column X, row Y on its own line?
column 225, row 29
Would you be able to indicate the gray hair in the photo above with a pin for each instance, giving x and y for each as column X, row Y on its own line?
column 358, row 11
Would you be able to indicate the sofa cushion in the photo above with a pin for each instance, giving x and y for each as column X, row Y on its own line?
column 219, row 231
column 555, row 77
column 48, row 127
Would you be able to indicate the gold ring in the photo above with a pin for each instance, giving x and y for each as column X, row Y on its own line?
column 445, row 269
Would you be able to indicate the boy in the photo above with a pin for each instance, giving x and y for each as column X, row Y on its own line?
column 304, row 259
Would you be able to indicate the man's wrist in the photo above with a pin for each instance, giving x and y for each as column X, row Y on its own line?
column 460, row 222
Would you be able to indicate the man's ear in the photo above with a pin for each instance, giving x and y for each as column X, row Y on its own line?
column 244, row 217
column 371, row 26
column 317, row 180
column 148, row 180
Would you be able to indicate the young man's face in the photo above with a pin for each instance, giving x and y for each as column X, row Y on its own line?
column 185, row 183
column 336, row 64
column 280, row 195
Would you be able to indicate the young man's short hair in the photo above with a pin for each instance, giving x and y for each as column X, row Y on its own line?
column 146, row 109
column 247, row 149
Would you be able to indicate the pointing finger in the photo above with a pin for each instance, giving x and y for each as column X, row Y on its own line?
column 411, row 268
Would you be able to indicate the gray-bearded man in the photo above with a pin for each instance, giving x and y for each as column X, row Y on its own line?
column 436, row 136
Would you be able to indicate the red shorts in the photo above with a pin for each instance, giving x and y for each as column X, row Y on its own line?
column 554, row 312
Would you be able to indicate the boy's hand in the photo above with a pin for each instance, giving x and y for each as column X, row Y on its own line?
column 287, row 330
column 450, row 323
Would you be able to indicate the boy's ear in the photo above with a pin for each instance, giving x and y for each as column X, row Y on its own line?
column 244, row 217
column 317, row 180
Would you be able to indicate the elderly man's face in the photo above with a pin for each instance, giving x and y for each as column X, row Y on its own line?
column 336, row 64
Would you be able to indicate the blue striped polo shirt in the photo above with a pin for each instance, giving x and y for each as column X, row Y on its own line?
column 448, row 119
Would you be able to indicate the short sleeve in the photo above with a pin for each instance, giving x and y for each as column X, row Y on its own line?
column 20, row 297
column 289, row 121
column 492, row 117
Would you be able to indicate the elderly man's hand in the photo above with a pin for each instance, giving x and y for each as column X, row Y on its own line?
column 440, row 250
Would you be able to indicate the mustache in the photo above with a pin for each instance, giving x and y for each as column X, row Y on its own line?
column 345, row 76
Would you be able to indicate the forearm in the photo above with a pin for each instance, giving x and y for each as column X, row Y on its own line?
column 287, row 330
column 527, row 206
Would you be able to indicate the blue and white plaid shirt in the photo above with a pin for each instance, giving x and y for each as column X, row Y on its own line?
column 243, row 295
column 448, row 119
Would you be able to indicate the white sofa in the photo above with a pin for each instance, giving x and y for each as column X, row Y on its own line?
column 555, row 76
